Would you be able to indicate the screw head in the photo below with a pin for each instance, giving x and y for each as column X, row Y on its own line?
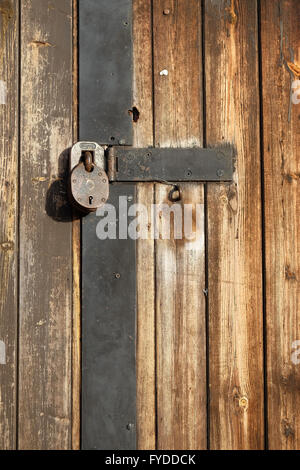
column 189, row 173
column 220, row 173
column 166, row 11
column 117, row 275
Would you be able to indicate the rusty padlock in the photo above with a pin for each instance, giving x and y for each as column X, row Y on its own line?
column 89, row 184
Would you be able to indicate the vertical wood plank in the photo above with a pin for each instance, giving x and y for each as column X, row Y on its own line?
column 9, row 29
column 234, row 228
column 76, row 308
column 45, row 228
column 143, row 137
column 181, row 342
column 180, row 265
column 280, row 36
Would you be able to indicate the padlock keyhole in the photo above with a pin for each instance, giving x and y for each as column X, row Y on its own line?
column 91, row 200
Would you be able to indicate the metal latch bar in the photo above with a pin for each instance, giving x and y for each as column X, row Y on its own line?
column 170, row 164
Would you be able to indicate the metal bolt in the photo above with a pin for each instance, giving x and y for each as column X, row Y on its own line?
column 130, row 199
column 220, row 173
column 189, row 173
column 117, row 275
column 166, row 11
column 100, row 173
column 130, row 427
column 103, row 181
column 122, row 141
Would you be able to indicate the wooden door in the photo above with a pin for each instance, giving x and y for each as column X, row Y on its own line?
column 217, row 346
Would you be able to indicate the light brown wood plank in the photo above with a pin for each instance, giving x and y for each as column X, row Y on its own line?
column 45, row 226
column 280, row 35
column 234, row 229
column 181, row 343
column 143, row 137
column 146, row 416
column 180, row 265
column 9, row 26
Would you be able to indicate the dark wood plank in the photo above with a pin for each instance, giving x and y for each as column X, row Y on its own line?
column 45, row 228
column 143, row 137
column 9, row 29
column 234, row 228
column 280, row 36
column 76, row 308
column 180, row 264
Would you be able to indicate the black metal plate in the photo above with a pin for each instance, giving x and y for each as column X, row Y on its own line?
column 174, row 164
column 105, row 71
column 108, row 335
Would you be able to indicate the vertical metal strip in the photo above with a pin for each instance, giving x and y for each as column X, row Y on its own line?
column 108, row 331
column 105, row 71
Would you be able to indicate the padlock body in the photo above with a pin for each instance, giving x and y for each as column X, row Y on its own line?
column 89, row 189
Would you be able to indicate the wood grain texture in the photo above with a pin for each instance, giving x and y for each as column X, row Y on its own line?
column 234, row 229
column 145, row 359
column 180, row 265
column 143, row 137
column 45, row 226
column 9, row 26
column 181, row 343
column 280, row 36
column 76, row 307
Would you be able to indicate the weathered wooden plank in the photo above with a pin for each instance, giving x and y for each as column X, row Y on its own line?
column 9, row 29
column 76, row 308
column 143, row 136
column 180, row 264
column 234, row 229
column 45, row 228
column 280, row 36
column 180, row 307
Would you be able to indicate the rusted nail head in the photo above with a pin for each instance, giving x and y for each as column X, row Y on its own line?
column 166, row 11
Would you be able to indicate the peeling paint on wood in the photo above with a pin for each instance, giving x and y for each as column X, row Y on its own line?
column 9, row 71
column 45, row 243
